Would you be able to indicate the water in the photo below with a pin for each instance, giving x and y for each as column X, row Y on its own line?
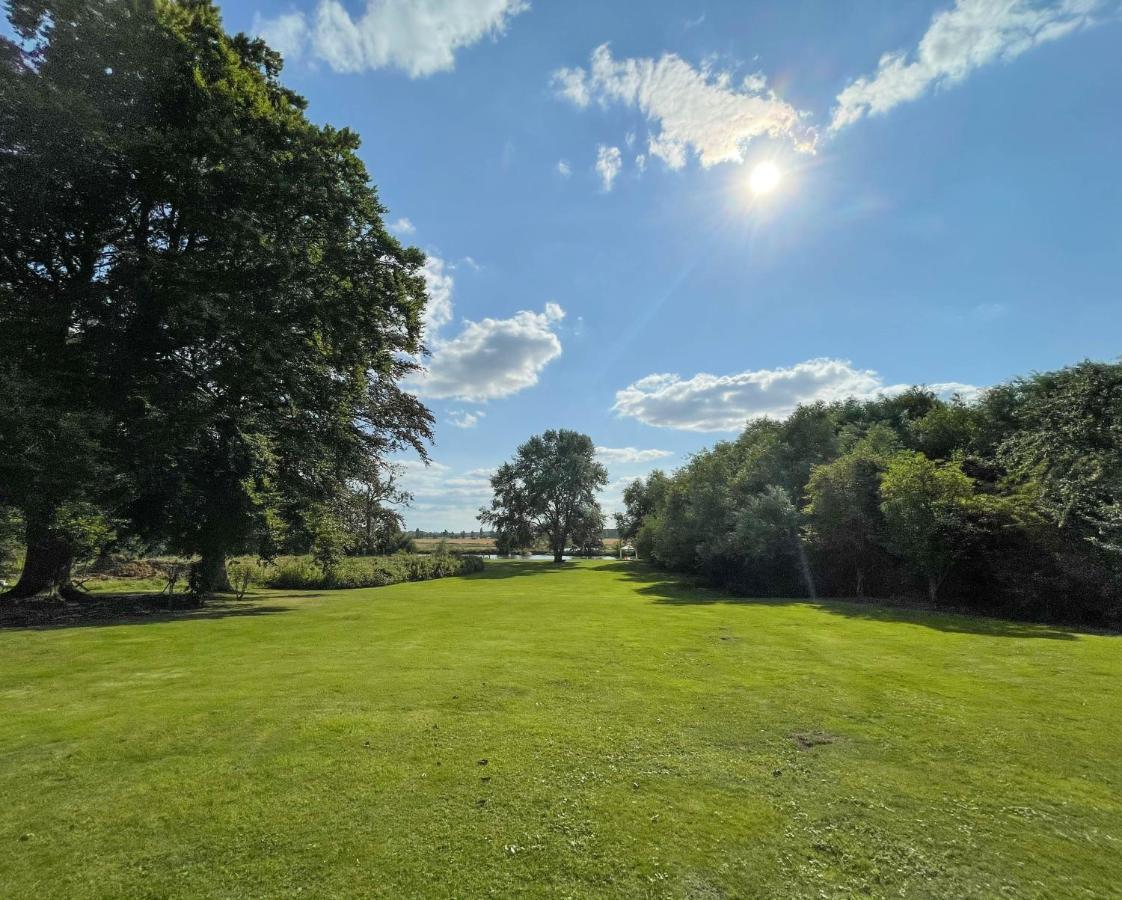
column 542, row 556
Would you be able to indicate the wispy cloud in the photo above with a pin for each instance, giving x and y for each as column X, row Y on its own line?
column 969, row 35
column 419, row 37
column 440, row 285
column 463, row 418
column 563, row 168
column 692, row 111
column 626, row 455
column 286, row 33
column 443, row 496
column 726, row 402
column 608, row 163
column 402, row 226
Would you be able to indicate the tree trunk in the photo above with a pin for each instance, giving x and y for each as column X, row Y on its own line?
column 860, row 582
column 933, row 589
column 48, row 566
column 211, row 576
column 559, row 553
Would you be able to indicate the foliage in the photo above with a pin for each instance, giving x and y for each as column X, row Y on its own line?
column 1067, row 437
column 204, row 323
column 368, row 514
column 548, row 490
column 843, row 516
column 11, row 531
column 640, row 498
column 925, row 507
column 366, row 571
column 1007, row 504
column 241, row 577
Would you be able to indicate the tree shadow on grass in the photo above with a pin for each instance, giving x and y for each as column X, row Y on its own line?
column 494, row 570
column 668, row 590
column 132, row 609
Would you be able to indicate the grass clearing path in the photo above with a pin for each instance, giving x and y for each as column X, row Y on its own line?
column 593, row 730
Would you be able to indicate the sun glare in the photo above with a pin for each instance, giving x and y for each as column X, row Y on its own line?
column 765, row 178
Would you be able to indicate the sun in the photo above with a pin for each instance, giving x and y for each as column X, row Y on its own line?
column 765, row 178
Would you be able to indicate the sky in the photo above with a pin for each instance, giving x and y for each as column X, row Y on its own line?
column 653, row 222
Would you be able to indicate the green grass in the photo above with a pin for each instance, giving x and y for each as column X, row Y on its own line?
column 640, row 738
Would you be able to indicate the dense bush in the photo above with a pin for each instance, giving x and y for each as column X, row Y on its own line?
column 1011, row 504
column 365, row 571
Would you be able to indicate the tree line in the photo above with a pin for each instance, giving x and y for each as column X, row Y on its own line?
column 1010, row 504
column 204, row 323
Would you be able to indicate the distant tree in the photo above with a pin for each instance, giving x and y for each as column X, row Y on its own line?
column 946, row 429
column 587, row 532
column 640, row 499
column 547, row 490
column 926, row 507
column 367, row 511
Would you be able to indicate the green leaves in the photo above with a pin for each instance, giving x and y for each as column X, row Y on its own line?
column 548, row 489
column 192, row 274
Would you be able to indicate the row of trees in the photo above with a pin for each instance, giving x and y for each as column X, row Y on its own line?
column 204, row 323
column 1009, row 504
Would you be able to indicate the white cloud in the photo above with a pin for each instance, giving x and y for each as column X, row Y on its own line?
column 948, row 389
column 402, row 226
column 463, row 418
column 971, row 34
column 286, row 33
column 625, row 455
column 573, row 85
column 419, row 37
column 697, row 111
column 488, row 359
column 493, row 358
column 563, row 168
column 439, row 281
column 608, row 163
column 725, row 402
column 444, row 497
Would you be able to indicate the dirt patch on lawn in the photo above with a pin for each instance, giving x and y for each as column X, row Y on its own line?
column 808, row 740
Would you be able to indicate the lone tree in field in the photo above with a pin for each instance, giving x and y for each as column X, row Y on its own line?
column 547, row 490
column 203, row 321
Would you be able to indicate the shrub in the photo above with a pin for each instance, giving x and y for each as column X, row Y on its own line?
column 303, row 572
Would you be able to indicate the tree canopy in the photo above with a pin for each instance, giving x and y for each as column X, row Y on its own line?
column 1009, row 504
column 204, row 324
column 548, row 490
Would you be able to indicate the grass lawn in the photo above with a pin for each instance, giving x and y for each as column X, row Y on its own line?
column 594, row 730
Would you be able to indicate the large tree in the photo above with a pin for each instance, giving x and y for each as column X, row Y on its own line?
column 67, row 109
column 548, row 490
column 240, row 321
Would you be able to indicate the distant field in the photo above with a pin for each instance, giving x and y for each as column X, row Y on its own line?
column 456, row 545
column 483, row 545
column 592, row 730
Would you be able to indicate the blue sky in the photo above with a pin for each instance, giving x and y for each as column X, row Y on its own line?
column 949, row 210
